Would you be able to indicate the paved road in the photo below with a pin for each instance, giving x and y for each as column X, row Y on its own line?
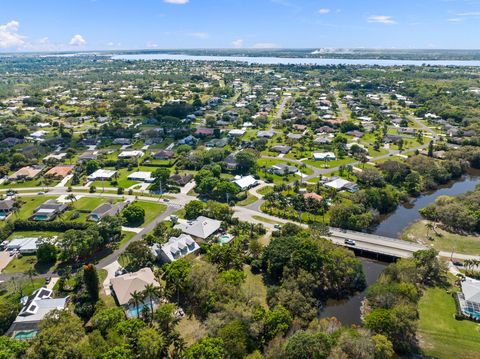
column 148, row 228
column 279, row 113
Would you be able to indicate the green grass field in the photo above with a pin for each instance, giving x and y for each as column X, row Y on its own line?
column 444, row 241
column 441, row 336
column 152, row 210
column 29, row 206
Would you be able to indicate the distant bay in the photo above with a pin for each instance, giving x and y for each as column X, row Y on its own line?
column 296, row 61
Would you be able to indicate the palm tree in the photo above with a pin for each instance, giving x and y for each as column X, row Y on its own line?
column 151, row 291
column 136, row 299
column 31, row 273
column 429, row 227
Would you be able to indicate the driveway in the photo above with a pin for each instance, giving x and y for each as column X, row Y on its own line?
column 4, row 259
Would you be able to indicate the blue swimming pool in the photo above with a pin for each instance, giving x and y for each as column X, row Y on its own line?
column 135, row 312
column 26, row 335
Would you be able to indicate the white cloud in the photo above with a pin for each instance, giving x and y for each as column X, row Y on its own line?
column 455, row 20
column 264, row 45
column 200, row 35
column 323, row 11
column 77, row 40
column 9, row 36
column 381, row 19
column 237, row 43
column 469, row 14
column 176, row 2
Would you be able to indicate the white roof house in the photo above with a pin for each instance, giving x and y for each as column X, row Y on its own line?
column 471, row 289
column 38, row 134
column 246, row 182
column 23, row 245
column 338, row 183
column 324, row 156
column 236, row 132
column 202, row 227
column 35, row 308
column 131, row 154
column 177, row 247
column 141, row 177
column 101, row 174
column 342, row 184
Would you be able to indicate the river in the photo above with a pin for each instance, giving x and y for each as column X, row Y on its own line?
column 295, row 61
column 348, row 310
column 394, row 224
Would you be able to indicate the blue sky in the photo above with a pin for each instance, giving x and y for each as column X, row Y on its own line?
column 52, row 25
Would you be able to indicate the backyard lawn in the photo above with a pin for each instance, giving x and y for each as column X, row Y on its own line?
column 441, row 336
column 29, row 206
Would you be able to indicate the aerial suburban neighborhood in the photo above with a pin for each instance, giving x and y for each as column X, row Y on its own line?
column 195, row 204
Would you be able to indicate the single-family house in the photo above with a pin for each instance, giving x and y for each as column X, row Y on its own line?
column 217, row 142
column 175, row 248
column 236, row 133
column 26, row 173
column 230, row 162
column 122, row 141
column 125, row 285
column 245, row 182
column 266, row 134
column 35, row 308
column 59, row 171
column 6, row 207
column 164, row 155
column 313, row 195
column 48, row 210
column 282, row 169
column 342, row 184
column 106, row 209
column 24, row 245
column 203, row 131
column 102, row 175
column 131, row 154
column 281, row 149
column 141, row 176
column 202, row 227
column 181, row 180
column 295, row 136
column 324, row 156
column 88, row 156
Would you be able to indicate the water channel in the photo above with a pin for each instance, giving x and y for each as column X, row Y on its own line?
column 348, row 311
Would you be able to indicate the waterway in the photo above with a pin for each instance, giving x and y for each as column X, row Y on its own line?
column 348, row 311
column 406, row 214
column 295, row 61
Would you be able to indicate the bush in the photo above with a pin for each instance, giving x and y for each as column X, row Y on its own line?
column 93, row 189
column 55, row 226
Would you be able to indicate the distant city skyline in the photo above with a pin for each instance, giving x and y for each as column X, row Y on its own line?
column 86, row 25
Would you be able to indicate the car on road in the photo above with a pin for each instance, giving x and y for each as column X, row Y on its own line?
column 48, row 280
column 40, row 193
column 277, row 226
column 166, row 200
column 350, row 242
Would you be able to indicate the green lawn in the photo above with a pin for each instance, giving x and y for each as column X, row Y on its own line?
column 29, row 206
column 441, row 336
column 265, row 220
column 249, row 200
column 126, row 236
column 265, row 190
column 444, row 241
column 152, row 210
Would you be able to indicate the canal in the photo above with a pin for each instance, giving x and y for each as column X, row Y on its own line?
column 348, row 310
